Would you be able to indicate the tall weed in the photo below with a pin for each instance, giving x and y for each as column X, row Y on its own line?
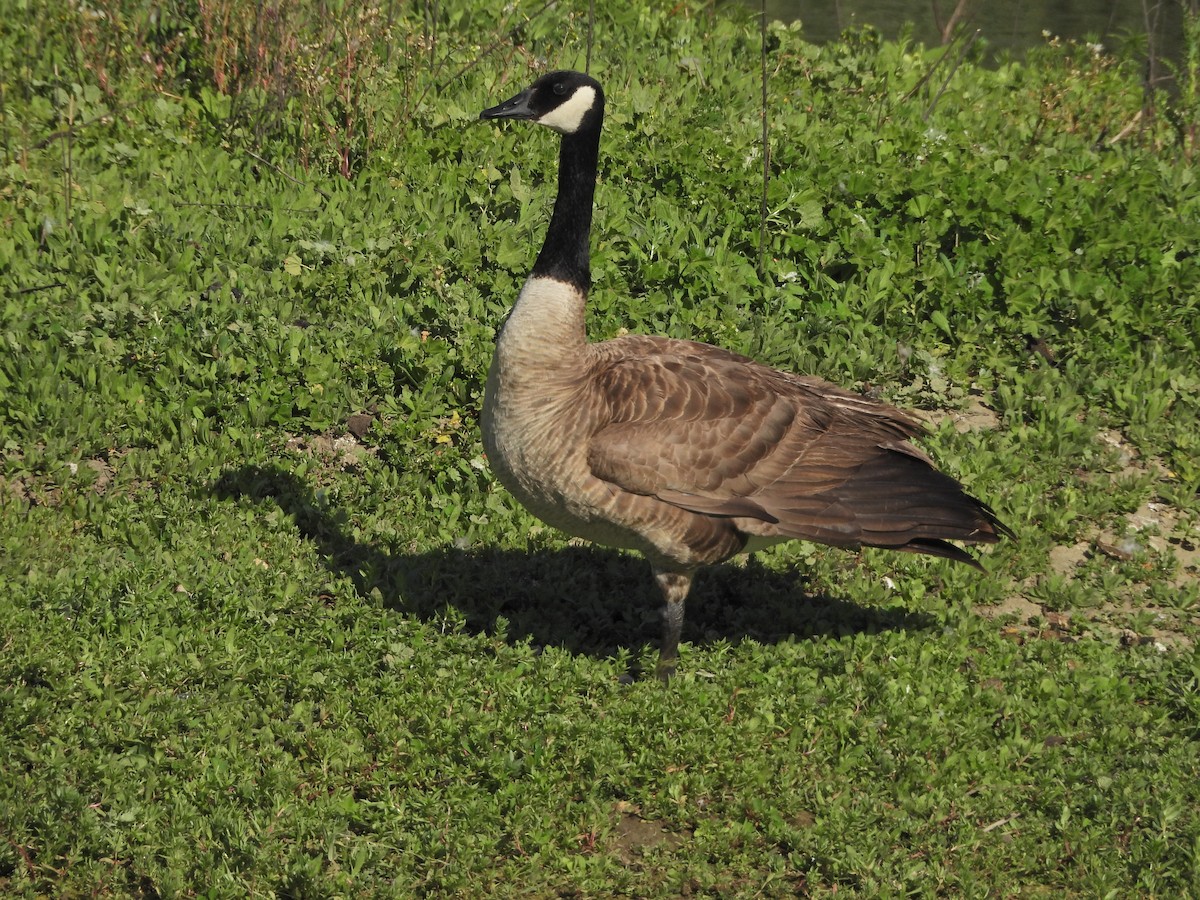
column 304, row 67
column 324, row 78
column 1186, row 111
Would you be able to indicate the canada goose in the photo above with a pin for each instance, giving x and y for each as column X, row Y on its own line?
column 686, row 452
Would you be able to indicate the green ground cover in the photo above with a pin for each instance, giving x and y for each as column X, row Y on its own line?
column 268, row 626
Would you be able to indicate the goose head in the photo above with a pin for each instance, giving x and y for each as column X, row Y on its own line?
column 568, row 102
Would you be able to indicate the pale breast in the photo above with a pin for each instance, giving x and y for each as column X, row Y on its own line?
column 536, row 423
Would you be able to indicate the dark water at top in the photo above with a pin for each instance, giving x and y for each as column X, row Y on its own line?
column 1007, row 26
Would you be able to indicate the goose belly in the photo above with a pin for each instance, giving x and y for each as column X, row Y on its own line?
column 537, row 428
column 537, row 447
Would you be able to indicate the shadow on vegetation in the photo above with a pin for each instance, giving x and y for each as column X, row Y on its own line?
column 585, row 599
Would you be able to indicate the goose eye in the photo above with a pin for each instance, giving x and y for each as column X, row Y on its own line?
column 560, row 88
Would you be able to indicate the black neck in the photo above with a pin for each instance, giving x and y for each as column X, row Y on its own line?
column 565, row 254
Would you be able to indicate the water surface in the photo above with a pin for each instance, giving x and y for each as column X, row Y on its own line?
column 1007, row 26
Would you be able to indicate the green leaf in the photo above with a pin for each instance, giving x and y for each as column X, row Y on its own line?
column 939, row 319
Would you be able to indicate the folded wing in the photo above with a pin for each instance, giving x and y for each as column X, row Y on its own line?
column 786, row 457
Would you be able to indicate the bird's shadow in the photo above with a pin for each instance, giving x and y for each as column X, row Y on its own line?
column 585, row 599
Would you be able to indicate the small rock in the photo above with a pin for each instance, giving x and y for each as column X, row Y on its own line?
column 359, row 424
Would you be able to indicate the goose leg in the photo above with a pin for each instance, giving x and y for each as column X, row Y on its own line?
column 675, row 587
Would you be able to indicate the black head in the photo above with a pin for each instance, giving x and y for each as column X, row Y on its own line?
column 568, row 102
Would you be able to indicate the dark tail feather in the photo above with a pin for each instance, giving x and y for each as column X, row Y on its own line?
column 896, row 501
column 931, row 547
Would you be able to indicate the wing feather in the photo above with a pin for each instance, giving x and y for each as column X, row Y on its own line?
column 715, row 433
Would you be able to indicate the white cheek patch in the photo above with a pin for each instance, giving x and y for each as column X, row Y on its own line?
column 567, row 118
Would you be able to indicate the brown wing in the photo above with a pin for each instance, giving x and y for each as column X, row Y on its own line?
column 718, row 434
